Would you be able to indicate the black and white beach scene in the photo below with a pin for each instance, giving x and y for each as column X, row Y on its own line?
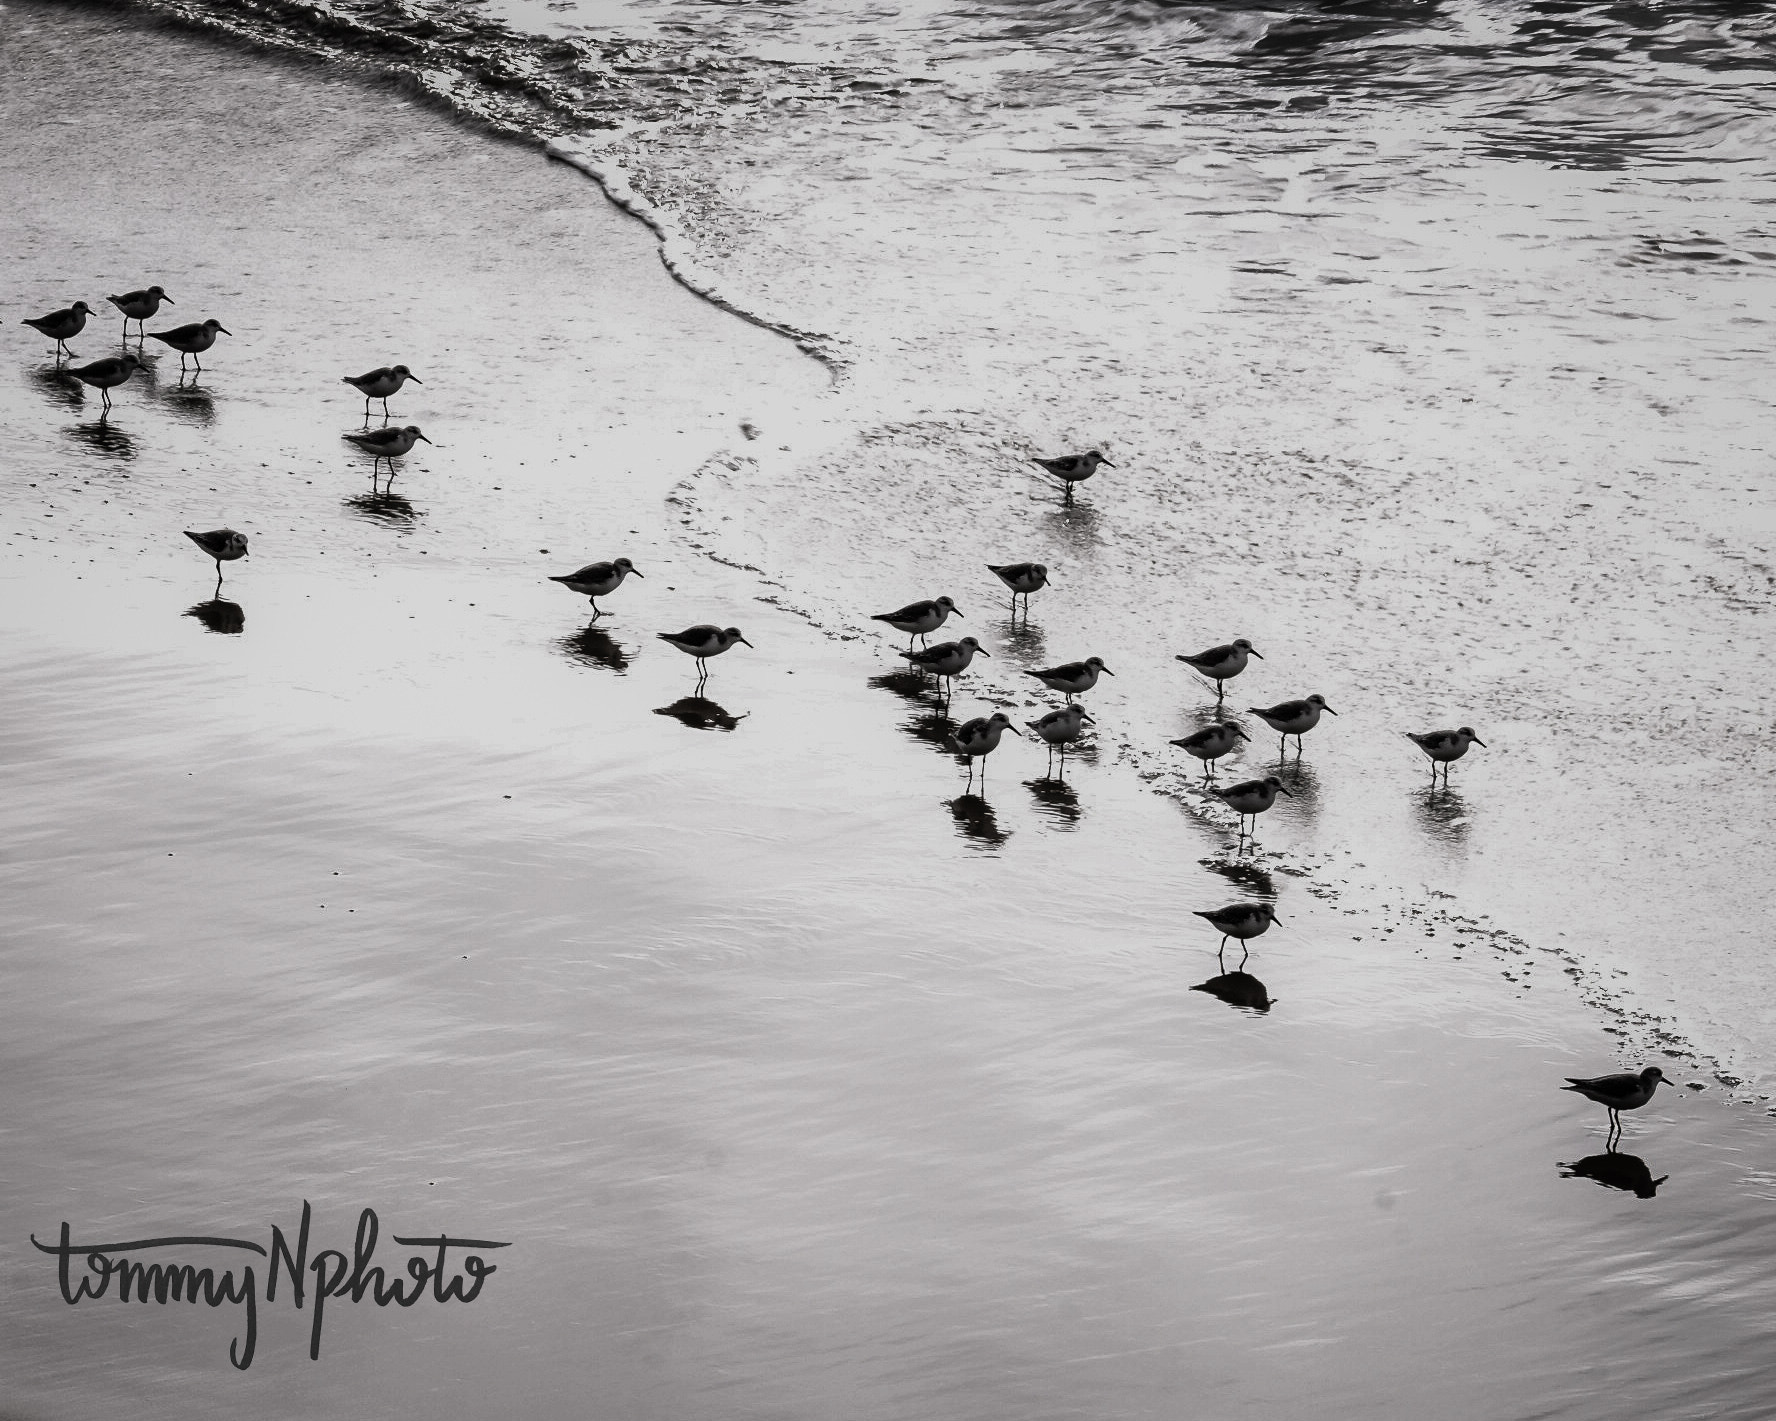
column 769, row 710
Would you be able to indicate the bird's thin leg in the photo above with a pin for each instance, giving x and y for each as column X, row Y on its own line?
column 1283, row 748
column 1245, row 953
column 595, row 612
column 385, row 409
column 1220, row 960
column 218, row 576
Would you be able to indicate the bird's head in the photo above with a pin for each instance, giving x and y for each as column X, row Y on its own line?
column 214, row 325
column 623, row 563
column 1098, row 662
column 1277, row 785
column 1080, row 711
column 949, row 605
column 1230, row 726
column 1467, row 733
column 1651, row 1078
column 733, row 634
column 81, row 307
column 1003, row 721
column 1318, row 700
column 413, row 430
column 159, row 294
column 974, row 647
column 1242, row 644
column 1097, row 458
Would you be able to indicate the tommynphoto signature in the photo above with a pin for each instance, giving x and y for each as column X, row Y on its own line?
column 147, row 1270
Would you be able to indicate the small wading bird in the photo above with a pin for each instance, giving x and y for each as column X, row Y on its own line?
column 703, row 641
column 1445, row 745
column 1222, row 663
column 379, row 384
column 1074, row 677
column 919, row 619
column 1244, row 921
column 1022, row 578
column 1060, row 728
column 1073, row 469
column 389, row 444
column 104, row 375
column 598, row 579
column 61, row 326
column 138, row 306
column 1210, row 743
column 948, row 659
column 223, row 544
column 1293, row 718
column 191, row 340
column 1627, row 1091
column 980, row 736
column 1252, row 798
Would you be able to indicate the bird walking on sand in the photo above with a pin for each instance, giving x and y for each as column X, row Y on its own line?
column 1293, row 718
column 223, row 544
column 1022, row 578
column 105, row 375
column 1210, row 743
column 1627, row 1091
column 379, row 384
column 598, row 579
column 1251, row 798
column 138, row 306
column 1073, row 469
column 703, row 641
column 1244, row 921
column 61, row 326
column 919, row 619
column 1073, row 678
column 980, row 737
column 389, row 444
column 1222, row 663
column 1059, row 729
column 1445, row 745
column 192, row 340
column 948, row 659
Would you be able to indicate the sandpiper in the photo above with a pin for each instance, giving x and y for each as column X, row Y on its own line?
column 598, row 579
column 379, row 384
column 703, row 641
column 1210, row 743
column 948, row 659
column 1060, row 728
column 918, row 619
column 1251, row 798
column 1073, row 469
column 1293, row 718
column 1222, row 663
column 1244, row 921
column 191, row 340
column 105, row 374
column 1022, row 578
column 138, row 306
column 388, row 444
column 1626, row 1091
column 61, row 326
column 1445, row 745
column 223, row 544
column 1073, row 678
column 980, row 736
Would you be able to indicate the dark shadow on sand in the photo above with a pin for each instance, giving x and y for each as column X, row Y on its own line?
column 591, row 646
column 699, row 713
column 220, row 616
column 1614, row 1170
column 1238, row 989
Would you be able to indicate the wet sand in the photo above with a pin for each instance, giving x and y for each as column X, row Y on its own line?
column 800, row 1080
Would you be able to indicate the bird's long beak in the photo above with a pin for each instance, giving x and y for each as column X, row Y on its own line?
column 421, row 436
column 955, row 611
column 1242, row 734
column 745, row 642
column 982, row 651
column 1087, row 719
column 1015, row 731
column 1281, row 790
column 633, row 572
column 1328, row 710
column 225, row 331
column 1106, row 670
column 168, row 299
column 1258, row 654
column 1481, row 743
column 1275, row 916
column 1107, row 464
column 416, row 380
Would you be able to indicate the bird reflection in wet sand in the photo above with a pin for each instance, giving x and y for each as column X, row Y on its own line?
column 218, row 615
column 932, row 728
column 1238, row 989
column 593, row 647
column 1245, row 875
column 59, row 387
column 190, row 404
column 1056, row 801
column 700, row 713
column 383, row 506
column 101, row 437
column 1614, row 1170
column 974, row 820
column 1442, row 816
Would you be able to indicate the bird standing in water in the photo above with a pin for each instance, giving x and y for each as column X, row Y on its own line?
column 1210, row 743
column 389, row 444
column 1293, row 718
column 980, row 736
column 948, row 659
column 223, row 544
column 1022, row 578
column 1222, row 663
column 1059, row 729
column 105, row 375
column 61, row 326
column 379, row 384
column 1073, row 678
column 138, row 306
column 703, row 641
column 1073, row 469
column 918, row 619
column 1445, row 745
column 1628, row 1091
column 192, row 340
column 598, row 579
column 1244, row 921
column 1252, row 798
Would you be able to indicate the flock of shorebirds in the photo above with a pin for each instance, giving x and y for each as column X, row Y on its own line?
column 973, row 739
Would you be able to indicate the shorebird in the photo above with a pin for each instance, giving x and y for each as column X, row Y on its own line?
column 1293, row 718
column 917, row 619
column 1627, row 1091
column 388, row 444
column 191, row 340
column 980, row 736
column 1222, row 663
column 1252, row 798
column 1073, row 469
column 703, row 641
column 138, row 306
column 948, row 659
column 1445, row 745
column 105, row 374
column 1022, row 578
column 598, row 579
column 1061, row 728
column 379, row 384
column 1244, row 921
column 1210, row 743
column 223, row 544
column 61, row 326
column 1074, row 677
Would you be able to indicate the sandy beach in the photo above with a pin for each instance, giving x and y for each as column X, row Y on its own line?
column 799, row 1080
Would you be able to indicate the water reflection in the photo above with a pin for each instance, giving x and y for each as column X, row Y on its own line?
column 1237, row 989
column 1301, row 806
column 190, row 405
column 218, row 615
column 1442, row 817
column 58, row 387
column 934, row 727
column 1056, row 801
column 389, row 509
column 103, row 437
column 701, row 713
column 975, row 821
column 1021, row 640
column 1244, row 875
column 592, row 647
column 1614, row 1170
column 1075, row 527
